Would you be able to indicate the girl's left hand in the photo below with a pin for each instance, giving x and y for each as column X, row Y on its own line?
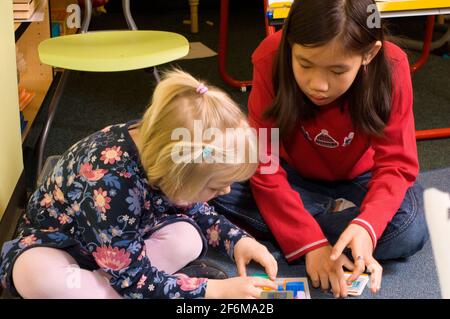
column 359, row 241
column 247, row 249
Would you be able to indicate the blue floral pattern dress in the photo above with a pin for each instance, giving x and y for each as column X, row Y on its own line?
column 97, row 205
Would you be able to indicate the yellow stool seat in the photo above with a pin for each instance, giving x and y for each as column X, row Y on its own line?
column 106, row 51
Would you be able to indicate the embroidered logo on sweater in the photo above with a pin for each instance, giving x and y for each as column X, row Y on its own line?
column 306, row 134
column 348, row 139
column 325, row 140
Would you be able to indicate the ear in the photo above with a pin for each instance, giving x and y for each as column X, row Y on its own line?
column 368, row 57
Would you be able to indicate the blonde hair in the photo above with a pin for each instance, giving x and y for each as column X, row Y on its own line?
column 177, row 103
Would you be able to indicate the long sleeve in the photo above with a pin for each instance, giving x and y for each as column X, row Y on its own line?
column 395, row 158
column 294, row 228
column 220, row 233
column 116, row 243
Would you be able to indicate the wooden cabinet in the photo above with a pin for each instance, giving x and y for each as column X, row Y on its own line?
column 37, row 77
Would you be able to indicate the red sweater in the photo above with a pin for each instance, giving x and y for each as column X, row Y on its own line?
column 330, row 149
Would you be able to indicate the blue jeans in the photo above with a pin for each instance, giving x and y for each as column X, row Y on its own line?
column 404, row 236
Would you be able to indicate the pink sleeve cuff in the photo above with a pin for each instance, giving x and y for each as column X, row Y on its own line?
column 368, row 227
column 305, row 249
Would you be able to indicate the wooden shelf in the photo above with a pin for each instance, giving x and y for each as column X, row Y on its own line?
column 38, row 15
column 30, row 112
column 19, row 29
column 37, row 77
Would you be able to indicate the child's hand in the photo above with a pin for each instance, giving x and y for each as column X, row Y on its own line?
column 247, row 249
column 359, row 241
column 237, row 288
column 323, row 271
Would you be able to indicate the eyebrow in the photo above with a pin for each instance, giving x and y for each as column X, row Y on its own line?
column 342, row 66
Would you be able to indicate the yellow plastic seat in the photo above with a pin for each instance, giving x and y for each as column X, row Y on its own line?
column 107, row 51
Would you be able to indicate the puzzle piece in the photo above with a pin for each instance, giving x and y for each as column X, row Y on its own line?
column 356, row 288
column 288, row 288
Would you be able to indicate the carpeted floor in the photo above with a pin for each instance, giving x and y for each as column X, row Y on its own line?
column 414, row 277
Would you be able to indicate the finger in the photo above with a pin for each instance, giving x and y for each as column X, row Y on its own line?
column 347, row 263
column 339, row 247
column 335, row 285
column 360, row 266
column 376, row 273
column 342, row 282
column 263, row 282
column 275, row 267
column 240, row 263
column 271, row 268
column 315, row 281
column 256, row 293
column 324, row 281
column 270, row 265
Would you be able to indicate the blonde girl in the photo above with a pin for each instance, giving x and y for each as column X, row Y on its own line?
column 123, row 211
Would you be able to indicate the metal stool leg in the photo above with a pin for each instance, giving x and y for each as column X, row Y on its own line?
column 127, row 13
column 50, row 116
column 156, row 74
column 87, row 16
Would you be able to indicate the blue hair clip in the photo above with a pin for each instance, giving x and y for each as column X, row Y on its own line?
column 207, row 150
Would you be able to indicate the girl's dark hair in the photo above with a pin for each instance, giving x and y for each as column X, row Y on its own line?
column 313, row 23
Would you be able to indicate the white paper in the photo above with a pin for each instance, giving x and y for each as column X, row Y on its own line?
column 198, row 50
column 437, row 213
column 39, row 13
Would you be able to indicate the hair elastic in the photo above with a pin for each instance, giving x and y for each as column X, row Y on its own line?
column 207, row 150
column 202, row 89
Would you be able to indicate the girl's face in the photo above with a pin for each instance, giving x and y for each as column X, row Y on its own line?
column 213, row 189
column 324, row 73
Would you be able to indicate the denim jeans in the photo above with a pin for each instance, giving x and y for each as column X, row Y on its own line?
column 406, row 233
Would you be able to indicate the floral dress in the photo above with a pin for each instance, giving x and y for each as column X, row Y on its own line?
column 97, row 205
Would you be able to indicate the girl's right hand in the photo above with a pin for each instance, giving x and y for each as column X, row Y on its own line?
column 323, row 271
column 237, row 288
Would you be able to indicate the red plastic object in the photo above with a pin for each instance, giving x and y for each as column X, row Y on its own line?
column 426, row 44
column 223, row 44
column 433, row 133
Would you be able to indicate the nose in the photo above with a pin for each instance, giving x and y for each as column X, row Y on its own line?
column 225, row 191
column 318, row 83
